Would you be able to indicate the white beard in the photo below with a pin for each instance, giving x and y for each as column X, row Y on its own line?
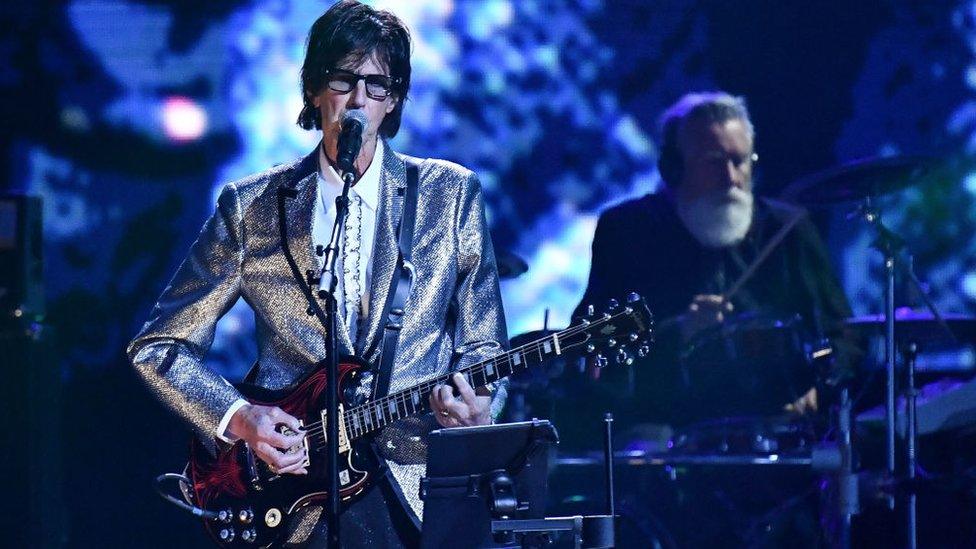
column 717, row 220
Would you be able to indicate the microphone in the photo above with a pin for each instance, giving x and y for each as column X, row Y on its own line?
column 350, row 139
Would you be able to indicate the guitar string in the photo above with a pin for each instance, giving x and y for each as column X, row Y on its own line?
column 534, row 346
column 316, row 434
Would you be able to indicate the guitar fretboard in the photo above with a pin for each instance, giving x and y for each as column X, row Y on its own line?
column 369, row 417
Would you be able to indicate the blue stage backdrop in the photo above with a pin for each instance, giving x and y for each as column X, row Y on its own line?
column 147, row 108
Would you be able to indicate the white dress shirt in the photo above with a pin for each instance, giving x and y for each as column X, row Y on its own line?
column 365, row 195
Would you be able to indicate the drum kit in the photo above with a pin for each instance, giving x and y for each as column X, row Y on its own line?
column 757, row 481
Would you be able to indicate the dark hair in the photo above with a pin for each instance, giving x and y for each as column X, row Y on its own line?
column 711, row 106
column 352, row 32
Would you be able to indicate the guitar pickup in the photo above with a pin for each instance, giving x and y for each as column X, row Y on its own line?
column 305, row 446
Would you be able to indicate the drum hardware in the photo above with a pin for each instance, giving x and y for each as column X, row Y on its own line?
column 861, row 182
column 942, row 406
column 921, row 327
column 608, row 460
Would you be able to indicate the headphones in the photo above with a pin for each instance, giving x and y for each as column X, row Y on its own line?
column 669, row 163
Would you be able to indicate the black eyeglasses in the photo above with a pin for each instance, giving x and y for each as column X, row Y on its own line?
column 378, row 86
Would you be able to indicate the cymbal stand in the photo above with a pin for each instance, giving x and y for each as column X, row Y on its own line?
column 910, row 353
column 888, row 244
column 891, row 246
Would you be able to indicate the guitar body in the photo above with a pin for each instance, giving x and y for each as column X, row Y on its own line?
column 254, row 502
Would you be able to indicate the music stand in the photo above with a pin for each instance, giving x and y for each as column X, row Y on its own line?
column 476, row 474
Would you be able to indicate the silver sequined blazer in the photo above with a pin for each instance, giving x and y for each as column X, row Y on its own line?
column 453, row 316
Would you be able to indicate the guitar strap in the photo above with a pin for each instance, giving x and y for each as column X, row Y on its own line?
column 403, row 280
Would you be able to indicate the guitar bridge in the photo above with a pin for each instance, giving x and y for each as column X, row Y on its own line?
column 343, row 437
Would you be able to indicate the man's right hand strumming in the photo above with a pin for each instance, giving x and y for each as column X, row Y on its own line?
column 259, row 427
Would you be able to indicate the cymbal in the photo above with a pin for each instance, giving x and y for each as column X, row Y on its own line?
column 920, row 327
column 857, row 180
column 509, row 264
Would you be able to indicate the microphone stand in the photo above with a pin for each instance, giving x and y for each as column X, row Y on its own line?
column 327, row 286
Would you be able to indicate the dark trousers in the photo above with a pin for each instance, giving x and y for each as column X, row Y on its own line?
column 376, row 520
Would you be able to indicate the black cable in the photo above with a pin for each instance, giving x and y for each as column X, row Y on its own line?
column 195, row 511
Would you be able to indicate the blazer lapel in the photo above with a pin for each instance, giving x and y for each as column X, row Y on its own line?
column 385, row 252
column 299, row 212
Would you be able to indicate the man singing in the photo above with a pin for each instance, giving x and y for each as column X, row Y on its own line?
column 357, row 59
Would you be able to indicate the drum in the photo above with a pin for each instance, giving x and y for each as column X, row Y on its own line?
column 750, row 365
column 744, row 436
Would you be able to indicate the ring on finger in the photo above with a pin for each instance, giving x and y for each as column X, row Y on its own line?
column 445, row 413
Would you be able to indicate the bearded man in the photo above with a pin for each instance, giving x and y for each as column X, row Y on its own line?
column 684, row 250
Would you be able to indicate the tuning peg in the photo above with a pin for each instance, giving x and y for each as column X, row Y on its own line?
column 590, row 311
column 623, row 357
column 633, row 297
column 600, row 361
column 643, row 350
column 590, row 348
column 611, row 342
column 633, row 337
column 612, row 304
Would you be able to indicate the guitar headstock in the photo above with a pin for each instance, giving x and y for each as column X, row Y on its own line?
column 621, row 330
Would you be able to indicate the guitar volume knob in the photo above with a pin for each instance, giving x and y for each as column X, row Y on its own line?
column 245, row 516
column 225, row 516
column 249, row 535
column 226, row 535
column 624, row 358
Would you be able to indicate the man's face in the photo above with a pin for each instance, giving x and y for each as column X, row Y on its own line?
column 332, row 105
column 714, row 198
column 717, row 156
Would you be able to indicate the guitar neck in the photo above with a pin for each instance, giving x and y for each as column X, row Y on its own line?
column 370, row 417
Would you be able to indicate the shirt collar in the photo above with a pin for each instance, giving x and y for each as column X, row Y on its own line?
column 368, row 186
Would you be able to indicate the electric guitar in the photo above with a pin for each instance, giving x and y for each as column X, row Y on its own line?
column 252, row 504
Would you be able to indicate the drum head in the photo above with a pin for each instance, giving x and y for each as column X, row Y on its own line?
column 745, row 436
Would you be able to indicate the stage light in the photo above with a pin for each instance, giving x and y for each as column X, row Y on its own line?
column 968, row 284
column 183, row 119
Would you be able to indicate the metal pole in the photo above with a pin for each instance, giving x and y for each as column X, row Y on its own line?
column 608, row 460
column 889, row 263
column 911, row 442
column 847, row 491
